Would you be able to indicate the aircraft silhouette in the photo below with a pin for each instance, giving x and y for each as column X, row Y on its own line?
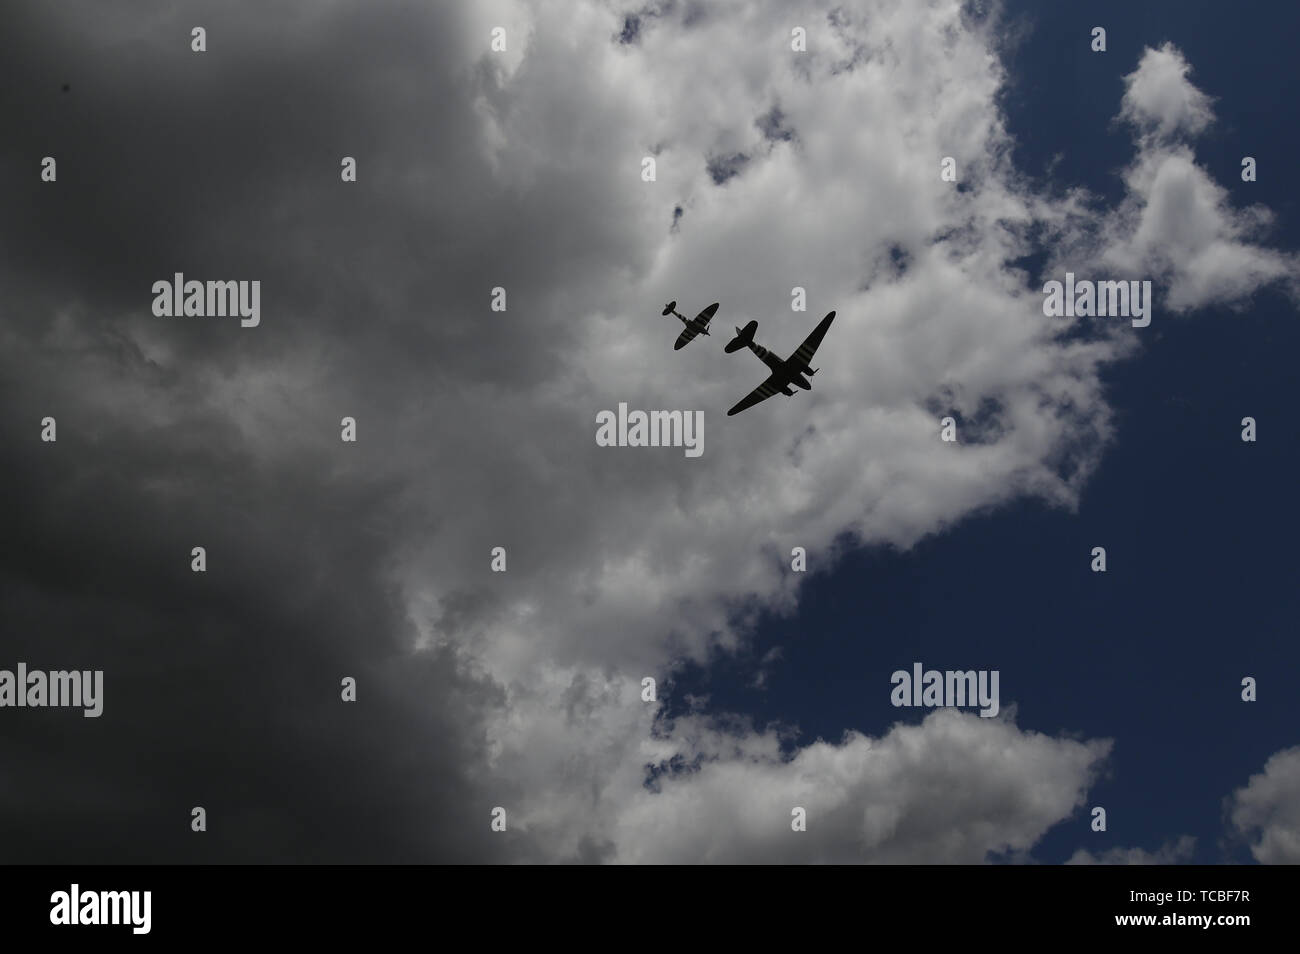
column 785, row 371
column 699, row 325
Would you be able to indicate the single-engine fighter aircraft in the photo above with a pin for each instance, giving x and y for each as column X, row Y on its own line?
column 785, row 372
column 699, row 325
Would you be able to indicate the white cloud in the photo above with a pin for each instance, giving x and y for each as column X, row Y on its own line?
column 1160, row 99
column 1267, row 810
column 638, row 558
column 1171, row 853
column 957, row 331
column 1176, row 225
column 955, row 788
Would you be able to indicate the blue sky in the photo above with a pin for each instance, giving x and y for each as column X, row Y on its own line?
column 1199, row 527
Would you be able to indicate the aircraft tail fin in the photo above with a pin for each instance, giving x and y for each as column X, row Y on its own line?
column 744, row 337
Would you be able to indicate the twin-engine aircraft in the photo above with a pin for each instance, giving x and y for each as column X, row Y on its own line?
column 699, row 325
column 785, row 371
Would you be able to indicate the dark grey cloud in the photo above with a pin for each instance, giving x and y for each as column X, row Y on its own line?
column 772, row 125
column 223, row 689
column 722, row 168
column 226, row 164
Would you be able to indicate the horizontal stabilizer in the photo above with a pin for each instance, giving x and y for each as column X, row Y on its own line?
column 744, row 337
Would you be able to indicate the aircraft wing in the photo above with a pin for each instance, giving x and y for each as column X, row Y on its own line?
column 804, row 353
column 760, row 393
column 688, row 333
column 704, row 316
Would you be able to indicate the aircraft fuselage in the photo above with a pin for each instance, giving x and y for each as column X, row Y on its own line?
column 701, row 328
column 787, row 370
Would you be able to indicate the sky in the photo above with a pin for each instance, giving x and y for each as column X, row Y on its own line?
column 523, row 169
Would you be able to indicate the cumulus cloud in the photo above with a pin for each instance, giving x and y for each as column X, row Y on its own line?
column 598, row 777
column 1170, row 853
column 956, row 788
column 1176, row 225
column 1160, row 99
column 1266, row 811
